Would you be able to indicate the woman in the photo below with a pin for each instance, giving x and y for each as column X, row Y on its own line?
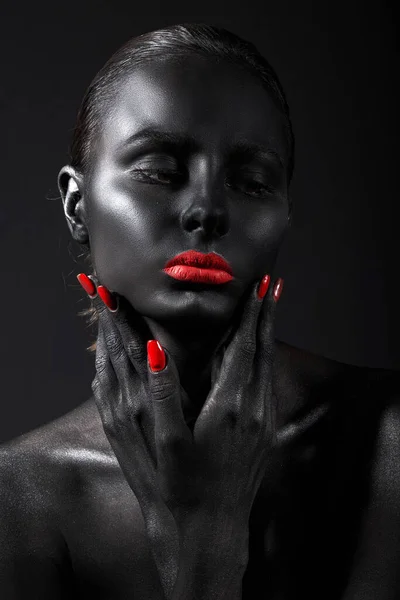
column 212, row 461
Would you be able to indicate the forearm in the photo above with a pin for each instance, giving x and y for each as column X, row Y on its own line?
column 213, row 562
column 216, row 581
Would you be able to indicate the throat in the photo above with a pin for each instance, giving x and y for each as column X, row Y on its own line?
column 197, row 390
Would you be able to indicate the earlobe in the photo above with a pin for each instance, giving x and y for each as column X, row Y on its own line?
column 70, row 184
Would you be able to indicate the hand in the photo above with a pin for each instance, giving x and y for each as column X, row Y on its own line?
column 121, row 393
column 180, row 477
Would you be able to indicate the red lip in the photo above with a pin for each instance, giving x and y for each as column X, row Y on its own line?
column 192, row 258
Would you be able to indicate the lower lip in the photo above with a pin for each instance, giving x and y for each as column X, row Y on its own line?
column 185, row 273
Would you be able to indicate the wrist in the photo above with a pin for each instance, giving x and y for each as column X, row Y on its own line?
column 215, row 539
column 205, row 579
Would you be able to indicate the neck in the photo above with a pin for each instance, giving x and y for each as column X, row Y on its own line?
column 193, row 348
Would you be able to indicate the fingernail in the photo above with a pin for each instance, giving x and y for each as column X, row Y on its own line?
column 155, row 355
column 109, row 299
column 278, row 289
column 263, row 287
column 87, row 284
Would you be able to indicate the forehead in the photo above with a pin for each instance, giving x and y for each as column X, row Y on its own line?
column 216, row 102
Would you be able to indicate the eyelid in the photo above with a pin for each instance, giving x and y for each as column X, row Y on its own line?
column 266, row 189
column 269, row 176
column 153, row 158
column 259, row 176
column 252, row 173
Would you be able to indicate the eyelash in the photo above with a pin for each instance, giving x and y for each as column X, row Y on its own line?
column 145, row 174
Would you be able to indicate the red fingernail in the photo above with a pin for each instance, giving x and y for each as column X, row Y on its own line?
column 155, row 355
column 263, row 287
column 278, row 289
column 87, row 284
column 109, row 300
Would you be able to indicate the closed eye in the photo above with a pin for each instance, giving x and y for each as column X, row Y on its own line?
column 161, row 176
column 256, row 188
column 169, row 177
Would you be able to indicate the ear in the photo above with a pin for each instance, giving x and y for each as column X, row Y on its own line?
column 70, row 184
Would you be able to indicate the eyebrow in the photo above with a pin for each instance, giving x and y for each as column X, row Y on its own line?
column 241, row 149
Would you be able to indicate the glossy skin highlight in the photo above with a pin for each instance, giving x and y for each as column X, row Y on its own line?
column 325, row 523
column 216, row 199
column 154, row 218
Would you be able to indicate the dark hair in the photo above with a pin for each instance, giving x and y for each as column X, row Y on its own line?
column 168, row 43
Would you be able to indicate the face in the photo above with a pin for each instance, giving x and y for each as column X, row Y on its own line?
column 208, row 188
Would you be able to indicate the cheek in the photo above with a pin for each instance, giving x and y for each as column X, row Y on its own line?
column 132, row 235
column 264, row 226
column 123, row 230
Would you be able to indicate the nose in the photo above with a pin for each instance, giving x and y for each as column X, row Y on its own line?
column 212, row 220
column 207, row 210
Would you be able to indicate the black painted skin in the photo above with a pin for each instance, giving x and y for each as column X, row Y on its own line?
column 326, row 520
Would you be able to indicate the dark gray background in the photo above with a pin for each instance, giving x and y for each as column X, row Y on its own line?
column 338, row 65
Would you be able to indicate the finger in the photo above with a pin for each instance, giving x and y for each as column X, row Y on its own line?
column 104, row 386
column 171, row 433
column 218, row 355
column 135, row 343
column 125, row 439
column 132, row 327
column 237, row 362
column 264, row 359
column 130, row 406
column 119, row 388
column 125, row 335
column 216, row 367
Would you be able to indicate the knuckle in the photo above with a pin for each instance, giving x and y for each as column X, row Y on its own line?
column 108, row 423
column 121, row 413
column 248, row 347
column 114, row 345
column 161, row 389
column 267, row 356
column 135, row 352
column 101, row 362
column 95, row 386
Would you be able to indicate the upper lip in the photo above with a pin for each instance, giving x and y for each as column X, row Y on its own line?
column 193, row 258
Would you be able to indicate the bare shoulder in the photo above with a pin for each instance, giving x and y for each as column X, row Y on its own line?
column 40, row 472
column 28, row 523
column 39, row 461
column 301, row 369
column 386, row 466
column 68, row 517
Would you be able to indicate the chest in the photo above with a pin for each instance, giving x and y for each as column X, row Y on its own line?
column 107, row 542
column 311, row 508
